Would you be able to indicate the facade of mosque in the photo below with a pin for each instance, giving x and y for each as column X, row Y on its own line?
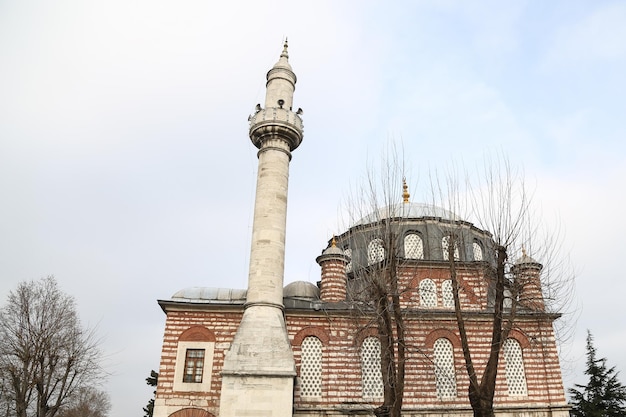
column 315, row 350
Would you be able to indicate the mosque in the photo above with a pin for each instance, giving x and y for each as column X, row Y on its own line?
column 315, row 350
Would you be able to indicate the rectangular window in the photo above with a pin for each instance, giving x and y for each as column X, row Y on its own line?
column 194, row 363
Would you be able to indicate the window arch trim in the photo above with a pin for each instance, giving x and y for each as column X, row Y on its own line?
column 318, row 332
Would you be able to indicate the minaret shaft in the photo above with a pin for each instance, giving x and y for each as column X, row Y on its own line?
column 267, row 254
column 259, row 368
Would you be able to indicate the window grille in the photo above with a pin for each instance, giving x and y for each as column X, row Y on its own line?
column 444, row 368
column 370, row 368
column 375, row 251
column 478, row 251
column 194, row 362
column 446, row 294
column 311, row 367
column 514, row 368
column 413, row 246
column 348, row 252
column 428, row 293
column 445, row 244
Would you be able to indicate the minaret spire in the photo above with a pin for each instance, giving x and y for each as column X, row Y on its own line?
column 259, row 368
column 285, row 54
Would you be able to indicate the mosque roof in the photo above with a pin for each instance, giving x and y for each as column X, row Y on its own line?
column 210, row 295
column 213, row 295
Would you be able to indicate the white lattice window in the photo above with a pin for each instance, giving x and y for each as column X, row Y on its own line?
column 508, row 299
column 311, row 367
column 375, row 251
column 478, row 251
column 446, row 294
column 445, row 245
column 514, row 368
column 444, row 368
column 370, row 368
column 428, row 293
column 348, row 253
column 413, row 246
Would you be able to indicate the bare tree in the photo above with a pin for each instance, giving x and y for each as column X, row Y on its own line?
column 376, row 291
column 496, row 198
column 501, row 208
column 87, row 402
column 45, row 354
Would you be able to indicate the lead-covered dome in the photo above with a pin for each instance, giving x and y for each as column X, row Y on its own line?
column 414, row 232
column 210, row 295
column 408, row 211
column 301, row 289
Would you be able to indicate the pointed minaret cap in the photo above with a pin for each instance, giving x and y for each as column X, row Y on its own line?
column 283, row 61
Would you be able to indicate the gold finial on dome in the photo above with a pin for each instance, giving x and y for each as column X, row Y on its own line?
column 523, row 251
column 333, row 243
column 405, row 191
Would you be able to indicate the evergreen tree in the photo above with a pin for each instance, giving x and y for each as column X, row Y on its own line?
column 152, row 380
column 604, row 395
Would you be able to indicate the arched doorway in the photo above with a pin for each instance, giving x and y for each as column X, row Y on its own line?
column 191, row 412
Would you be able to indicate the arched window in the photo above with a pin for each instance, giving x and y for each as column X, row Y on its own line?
column 370, row 367
column 428, row 293
column 478, row 251
column 311, row 367
column 445, row 244
column 514, row 368
column 444, row 368
column 348, row 252
column 446, row 294
column 375, row 251
column 413, row 246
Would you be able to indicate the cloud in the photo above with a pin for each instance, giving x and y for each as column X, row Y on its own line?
column 597, row 38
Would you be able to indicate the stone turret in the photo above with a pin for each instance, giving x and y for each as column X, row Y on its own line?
column 259, row 368
column 527, row 273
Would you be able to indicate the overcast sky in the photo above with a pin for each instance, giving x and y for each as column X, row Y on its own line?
column 126, row 169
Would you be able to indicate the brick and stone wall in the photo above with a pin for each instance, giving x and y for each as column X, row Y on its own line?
column 341, row 334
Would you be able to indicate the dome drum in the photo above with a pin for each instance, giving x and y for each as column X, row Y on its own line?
column 421, row 239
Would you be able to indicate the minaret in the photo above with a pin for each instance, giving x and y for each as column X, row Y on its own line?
column 258, row 372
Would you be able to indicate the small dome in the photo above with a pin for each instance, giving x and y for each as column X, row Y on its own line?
column 332, row 250
column 210, row 295
column 301, row 289
column 408, row 211
column 525, row 259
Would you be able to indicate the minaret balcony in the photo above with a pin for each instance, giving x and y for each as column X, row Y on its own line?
column 273, row 122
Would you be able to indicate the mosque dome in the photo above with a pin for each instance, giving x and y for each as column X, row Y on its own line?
column 408, row 210
column 419, row 231
column 301, row 289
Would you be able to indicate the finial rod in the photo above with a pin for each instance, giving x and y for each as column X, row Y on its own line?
column 285, row 54
column 405, row 191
